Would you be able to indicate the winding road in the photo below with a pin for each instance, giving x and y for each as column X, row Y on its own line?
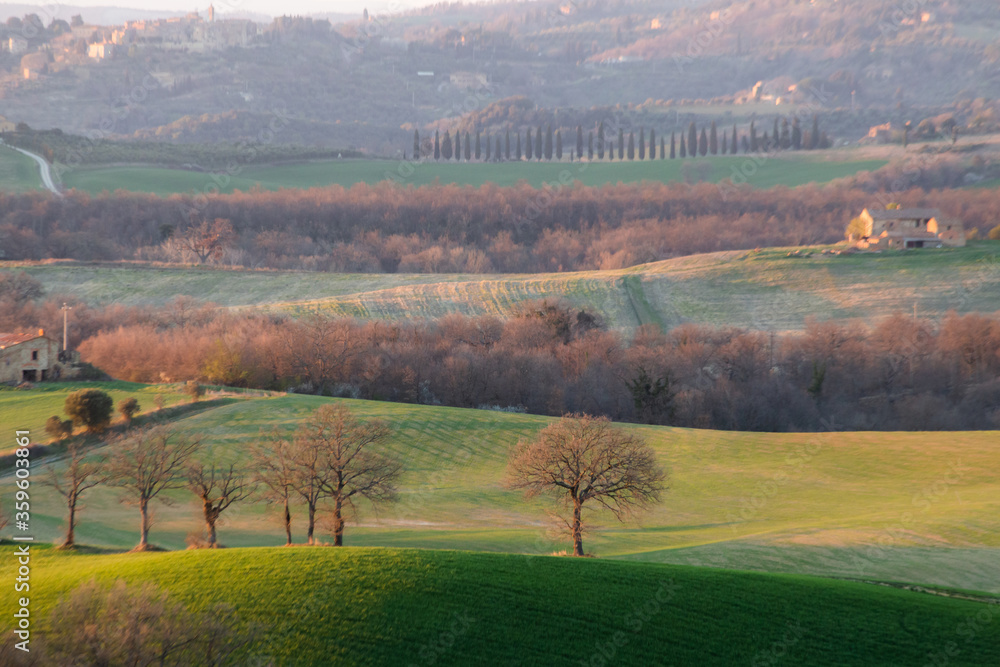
column 43, row 167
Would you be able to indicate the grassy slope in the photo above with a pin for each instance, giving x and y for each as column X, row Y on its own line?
column 30, row 409
column 764, row 290
column 780, row 502
column 18, row 172
column 791, row 171
column 395, row 607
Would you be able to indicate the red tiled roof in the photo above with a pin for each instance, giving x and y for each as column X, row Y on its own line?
column 8, row 339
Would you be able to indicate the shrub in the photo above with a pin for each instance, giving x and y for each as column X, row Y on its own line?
column 90, row 408
column 995, row 233
column 128, row 407
column 57, row 428
column 194, row 390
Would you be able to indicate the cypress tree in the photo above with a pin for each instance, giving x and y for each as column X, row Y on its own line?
column 663, row 153
column 498, row 155
column 642, row 143
column 458, row 145
column 621, row 144
column 814, row 135
column 786, row 134
column 724, row 146
column 745, row 144
column 538, row 144
column 579, row 141
column 416, row 145
column 486, row 158
column 590, row 146
column 631, row 146
column 673, row 145
column 776, row 135
column 506, row 146
column 692, row 144
column 765, row 143
column 652, row 144
column 796, row 134
column 753, row 137
column 527, row 145
column 558, row 144
column 713, row 140
column 446, row 146
column 548, row 143
column 703, row 143
column 518, row 153
column 600, row 141
column 479, row 147
column 437, row 145
column 468, row 148
column 684, row 152
column 735, row 146
column 611, row 153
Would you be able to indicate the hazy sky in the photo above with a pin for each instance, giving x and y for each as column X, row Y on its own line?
column 270, row 7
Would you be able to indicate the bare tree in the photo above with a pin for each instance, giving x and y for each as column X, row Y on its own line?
column 583, row 458
column 208, row 241
column 218, row 489
column 352, row 469
column 146, row 463
column 274, row 470
column 78, row 477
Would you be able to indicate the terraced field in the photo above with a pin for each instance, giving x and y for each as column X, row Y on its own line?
column 767, row 289
column 408, row 607
column 914, row 507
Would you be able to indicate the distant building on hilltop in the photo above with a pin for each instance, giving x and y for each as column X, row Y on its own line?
column 906, row 228
column 468, row 79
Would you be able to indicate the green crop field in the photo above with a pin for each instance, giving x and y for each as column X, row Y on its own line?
column 766, row 290
column 18, row 172
column 33, row 407
column 912, row 507
column 407, row 607
column 788, row 170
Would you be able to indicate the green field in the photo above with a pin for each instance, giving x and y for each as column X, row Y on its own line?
column 766, row 290
column 913, row 507
column 18, row 172
column 405, row 607
column 788, row 170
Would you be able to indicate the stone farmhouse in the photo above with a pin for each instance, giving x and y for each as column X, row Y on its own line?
column 31, row 357
column 907, row 228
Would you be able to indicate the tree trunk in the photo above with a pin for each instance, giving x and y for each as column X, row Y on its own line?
column 71, row 529
column 288, row 525
column 144, row 524
column 577, row 528
column 338, row 523
column 210, row 517
column 312, row 523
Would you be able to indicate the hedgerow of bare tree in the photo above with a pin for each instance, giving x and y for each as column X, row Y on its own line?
column 142, row 626
column 581, row 459
column 147, row 462
column 78, row 477
column 352, row 468
column 271, row 461
column 217, row 489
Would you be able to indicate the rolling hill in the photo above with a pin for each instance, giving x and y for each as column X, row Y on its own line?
column 912, row 507
column 763, row 289
column 394, row 606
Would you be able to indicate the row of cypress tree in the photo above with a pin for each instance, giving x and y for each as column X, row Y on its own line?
column 538, row 145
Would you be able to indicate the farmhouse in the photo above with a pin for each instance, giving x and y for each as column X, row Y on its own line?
column 906, row 228
column 28, row 357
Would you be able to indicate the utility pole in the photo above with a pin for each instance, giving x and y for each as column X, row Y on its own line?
column 65, row 310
